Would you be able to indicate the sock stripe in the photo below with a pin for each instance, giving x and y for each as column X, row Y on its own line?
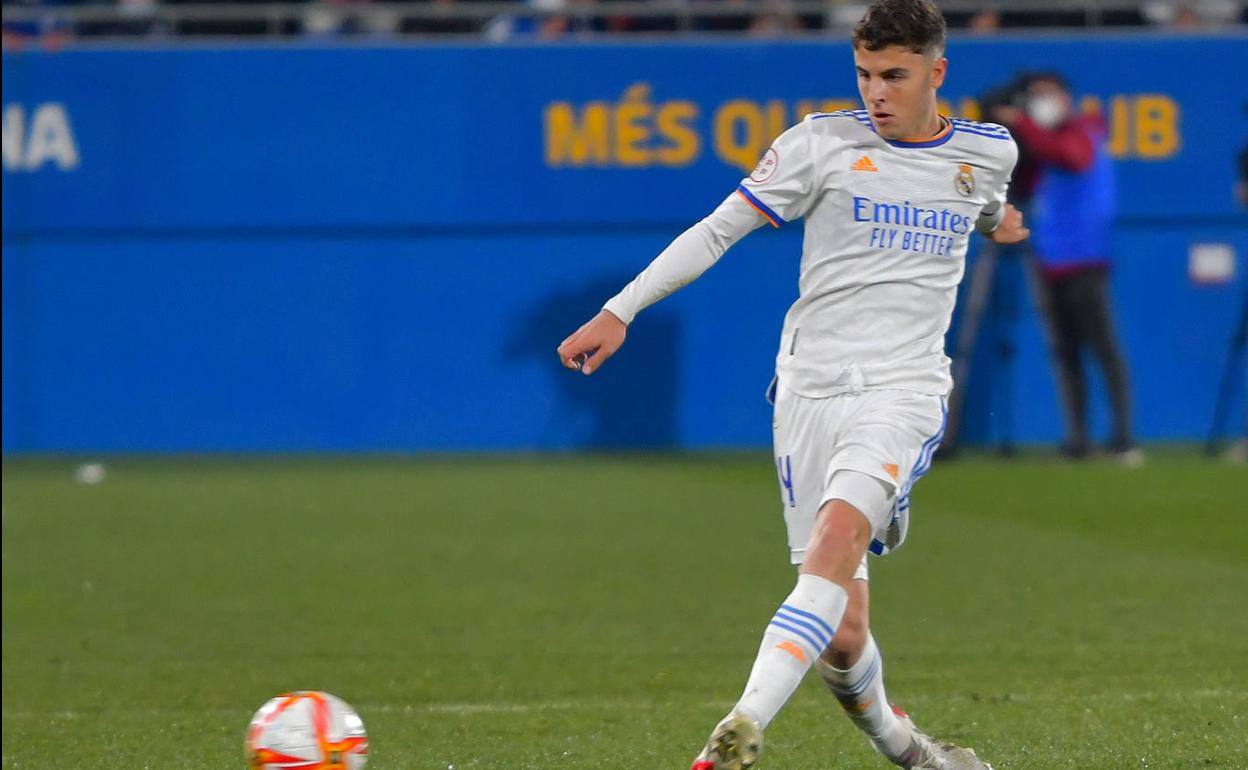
column 805, row 635
column 788, row 617
column 859, row 687
column 829, row 631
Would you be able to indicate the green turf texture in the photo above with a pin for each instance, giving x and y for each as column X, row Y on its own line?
column 603, row 612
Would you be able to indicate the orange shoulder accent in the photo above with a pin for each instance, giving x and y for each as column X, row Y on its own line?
column 761, row 213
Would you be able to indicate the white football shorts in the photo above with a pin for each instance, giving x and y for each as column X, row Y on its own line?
column 889, row 435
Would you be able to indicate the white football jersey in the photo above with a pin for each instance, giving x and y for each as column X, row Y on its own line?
column 887, row 227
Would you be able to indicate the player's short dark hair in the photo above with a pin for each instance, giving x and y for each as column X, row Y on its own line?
column 913, row 24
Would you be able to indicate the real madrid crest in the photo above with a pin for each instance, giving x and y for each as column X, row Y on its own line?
column 964, row 182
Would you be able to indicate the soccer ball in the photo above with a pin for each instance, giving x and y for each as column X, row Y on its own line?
column 307, row 730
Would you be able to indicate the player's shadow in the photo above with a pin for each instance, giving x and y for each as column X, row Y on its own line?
column 631, row 401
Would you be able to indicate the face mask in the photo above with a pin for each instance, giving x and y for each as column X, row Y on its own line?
column 1046, row 111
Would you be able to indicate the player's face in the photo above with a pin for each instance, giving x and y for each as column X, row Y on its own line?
column 898, row 89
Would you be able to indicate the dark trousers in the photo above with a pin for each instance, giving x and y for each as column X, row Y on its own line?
column 1079, row 318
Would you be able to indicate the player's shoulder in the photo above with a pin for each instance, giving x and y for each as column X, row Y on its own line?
column 839, row 124
column 990, row 136
column 977, row 128
column 819, row 133
column 991, row 140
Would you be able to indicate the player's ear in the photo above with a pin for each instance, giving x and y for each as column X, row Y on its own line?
column 939, row 68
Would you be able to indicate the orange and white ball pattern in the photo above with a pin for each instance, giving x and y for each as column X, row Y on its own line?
column 306, row 730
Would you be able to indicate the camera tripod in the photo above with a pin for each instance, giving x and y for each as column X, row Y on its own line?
column 979, row 291
column 1226, row 389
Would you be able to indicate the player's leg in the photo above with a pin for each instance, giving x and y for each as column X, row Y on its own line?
column 797, row 634
column 853, row 669
column 805, row 622
column 907, row 429
column 851, row 638
column 814, row 611
column 851, row 666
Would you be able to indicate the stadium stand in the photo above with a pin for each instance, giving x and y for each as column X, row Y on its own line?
column 55, row 22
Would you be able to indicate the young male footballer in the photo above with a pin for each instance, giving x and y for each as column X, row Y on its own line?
column 890, row 195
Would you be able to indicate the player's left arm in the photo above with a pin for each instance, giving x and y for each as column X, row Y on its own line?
column 1011, row 228
column 999, row 220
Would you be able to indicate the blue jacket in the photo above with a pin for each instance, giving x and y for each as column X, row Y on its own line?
column 1073, row 210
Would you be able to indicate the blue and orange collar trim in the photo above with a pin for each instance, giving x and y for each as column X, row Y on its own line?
column 940, row 138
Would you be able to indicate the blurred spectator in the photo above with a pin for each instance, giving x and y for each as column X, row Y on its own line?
column 842, row 16
column 566, row 23
column 556, row 19
column 1185, row 18
column 135, row 18
column 348, row 17
column 139, row 11
column 777, row 18
column 985, row 22
column 553, row 19
column 446, row 19
column 47, row 31
column 1072, row 217
column 626, row 22
column 731, row 16
column 1190, row 14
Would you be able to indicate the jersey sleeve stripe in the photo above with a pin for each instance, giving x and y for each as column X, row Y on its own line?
column 860, row 116
column 762, row 208
column 993, row 127
column 992, row 135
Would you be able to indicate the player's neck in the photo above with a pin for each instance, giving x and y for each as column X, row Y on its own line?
column 929, row 129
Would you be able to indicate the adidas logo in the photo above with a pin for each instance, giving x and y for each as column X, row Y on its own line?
column 863, row 164
column 793, row 650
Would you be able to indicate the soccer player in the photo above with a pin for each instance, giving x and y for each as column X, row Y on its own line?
column 890, row 195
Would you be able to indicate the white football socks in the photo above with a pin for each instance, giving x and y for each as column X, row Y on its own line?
column 861, row 693
column 793, row 641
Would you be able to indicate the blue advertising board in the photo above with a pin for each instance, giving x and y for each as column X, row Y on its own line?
column 378, row 248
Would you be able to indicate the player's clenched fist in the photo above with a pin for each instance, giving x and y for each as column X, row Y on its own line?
column 593, row 343
column 1011, row 229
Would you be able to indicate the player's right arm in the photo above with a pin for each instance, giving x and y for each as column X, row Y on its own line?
column 776, row 191
column 686, row 258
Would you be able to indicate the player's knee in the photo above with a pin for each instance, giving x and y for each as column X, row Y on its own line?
column 840, row 525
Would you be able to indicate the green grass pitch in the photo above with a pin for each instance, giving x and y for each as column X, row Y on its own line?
column 602, row 612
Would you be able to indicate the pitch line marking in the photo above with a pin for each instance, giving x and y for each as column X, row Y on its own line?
column 577, row 705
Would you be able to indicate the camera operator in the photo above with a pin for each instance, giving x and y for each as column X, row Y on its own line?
column 1069, row 176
